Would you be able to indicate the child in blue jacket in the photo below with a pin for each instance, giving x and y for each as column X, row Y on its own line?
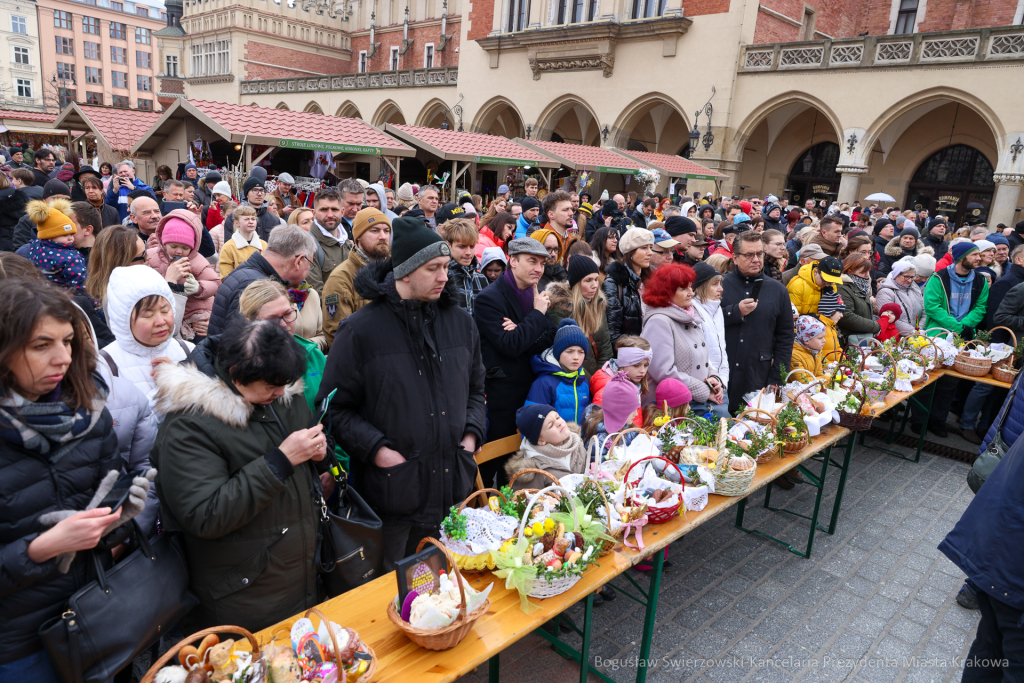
column 53, row 251
column 561, row 381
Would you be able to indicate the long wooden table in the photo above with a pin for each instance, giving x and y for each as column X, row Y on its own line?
column 985, row 379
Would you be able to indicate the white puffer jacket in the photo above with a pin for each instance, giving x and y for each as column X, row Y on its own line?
column 134, row 361
column 713, row 324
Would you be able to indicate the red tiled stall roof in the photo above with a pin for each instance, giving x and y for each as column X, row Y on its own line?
column 475, row 147
column 296, row 125
column 119, row 128
column 672, row 165
column 27, row 116
column 585, row 157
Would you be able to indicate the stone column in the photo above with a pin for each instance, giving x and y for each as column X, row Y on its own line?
column 1004, row 203
column 849, row 182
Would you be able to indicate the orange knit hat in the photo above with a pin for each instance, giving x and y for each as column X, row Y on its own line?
column 50, row 221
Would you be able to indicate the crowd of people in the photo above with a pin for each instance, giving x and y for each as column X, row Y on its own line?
column 193, row 332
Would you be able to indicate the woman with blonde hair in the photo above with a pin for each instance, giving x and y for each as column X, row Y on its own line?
column 582, row 300
column 302, row 217
column 499, row 205
column 723, row 264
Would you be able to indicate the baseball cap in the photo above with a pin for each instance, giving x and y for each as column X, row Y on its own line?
column 663, row 239
column 830, row 269
column 448, row 212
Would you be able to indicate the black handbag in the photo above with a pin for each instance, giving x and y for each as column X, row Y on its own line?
column 349, row 549
column 122, row 613
column 986, row 462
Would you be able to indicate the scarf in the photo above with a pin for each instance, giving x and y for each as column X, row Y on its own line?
column 48, row 427
column 568, row 455
column 523, row 296
column 863, row 284
column 299, row 295
column 959, row 293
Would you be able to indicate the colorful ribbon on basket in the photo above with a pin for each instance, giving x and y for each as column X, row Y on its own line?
column 636, row 526
column 597, row 473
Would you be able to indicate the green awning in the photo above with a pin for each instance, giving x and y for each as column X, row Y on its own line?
column 505, row 161
column 329, row 147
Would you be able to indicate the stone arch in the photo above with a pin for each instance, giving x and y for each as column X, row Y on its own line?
column 313, row 108
column 432, row 114
column 572, row 119
column 783, row 109
column 499, row 116
column 658, row 119
column 348, row 110
column 904, row 113
column 388, row 112
column 283, row 106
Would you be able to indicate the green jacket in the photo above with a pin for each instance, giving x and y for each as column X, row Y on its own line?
column 315, row 362
column 248, row 518
column 936, row 303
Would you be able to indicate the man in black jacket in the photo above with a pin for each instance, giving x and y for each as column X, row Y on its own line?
column 409, row 407
column 758, row 333
column 512, row 301
column 286, row 259
column 1013, row 274
column 44, row 161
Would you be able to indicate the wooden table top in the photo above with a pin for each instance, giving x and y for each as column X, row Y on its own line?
column 986, row 379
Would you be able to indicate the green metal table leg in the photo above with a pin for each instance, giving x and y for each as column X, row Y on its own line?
column 494, row 669
column 585, row 645
column 582, row 656
column 924, row 425
column 844, row 470
column 657, row 565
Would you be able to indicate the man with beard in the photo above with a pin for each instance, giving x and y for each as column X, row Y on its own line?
column 956, row 299
column 371, row 241
column 333, row 212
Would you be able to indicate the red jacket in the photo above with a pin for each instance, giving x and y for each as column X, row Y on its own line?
column 945, row 261
column 888, row 330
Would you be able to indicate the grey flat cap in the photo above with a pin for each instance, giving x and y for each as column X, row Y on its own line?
column 526, row 245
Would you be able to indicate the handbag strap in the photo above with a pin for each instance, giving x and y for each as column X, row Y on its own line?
column 74, row 647
column 1006, row 405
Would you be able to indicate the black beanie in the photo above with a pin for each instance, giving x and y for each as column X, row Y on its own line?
column 1019, row 228
column 251, row 183
column 413, row 245
column 530, row 420
column 579, row 267
column 609, row 208
column 679, row 225
column 55, row 186
column 529, row 203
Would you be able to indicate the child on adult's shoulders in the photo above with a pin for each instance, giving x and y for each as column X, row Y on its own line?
column 561, row 380
column 53, row 251
column 549, row 443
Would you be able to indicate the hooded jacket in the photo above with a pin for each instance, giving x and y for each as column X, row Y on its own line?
column 202, row 271
column 134, row 361
column 529, row 457
column 680, row 351
column 622, row 291
column 12, row 208
column 560, row 307
column 247, row 515
column 408, row 376
column 33, row 593
column 893, row 252
column 857, row 318
column 378, row 189
column 808, row 360
column 567, row 392
column 330, row 253
column 804, row 292
column 910, row 300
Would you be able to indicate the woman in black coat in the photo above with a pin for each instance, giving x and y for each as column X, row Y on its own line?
column 56, row 443
column 622, row 286
column 12, row 208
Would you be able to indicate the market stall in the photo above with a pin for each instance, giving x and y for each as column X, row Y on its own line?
column 593, row 167
column 33, row 129
column 109, row 133
column 490, row 160
column 674, row 169
column 235, row 138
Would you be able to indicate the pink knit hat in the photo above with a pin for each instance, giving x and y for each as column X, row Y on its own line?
column 673, row 391
column 621, row 398
column 178, row 231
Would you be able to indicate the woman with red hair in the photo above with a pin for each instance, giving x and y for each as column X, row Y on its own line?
column 674, row 329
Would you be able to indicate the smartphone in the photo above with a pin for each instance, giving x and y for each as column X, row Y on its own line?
column 119, row 494
column 757, row 288
column 324, row 407
column 171, row 206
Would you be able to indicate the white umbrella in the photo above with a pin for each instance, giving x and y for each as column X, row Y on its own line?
column 879, row 197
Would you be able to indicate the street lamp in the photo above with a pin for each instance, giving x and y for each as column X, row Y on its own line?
column 709, row 137
column 455, row 111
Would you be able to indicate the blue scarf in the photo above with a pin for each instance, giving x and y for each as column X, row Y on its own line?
column 522, row 227
column 959, row 293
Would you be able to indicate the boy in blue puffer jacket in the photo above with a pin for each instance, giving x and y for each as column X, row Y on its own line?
column 561, row 381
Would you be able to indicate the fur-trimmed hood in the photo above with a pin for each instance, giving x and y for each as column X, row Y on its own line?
column 186, row 388
column 375, row 281
column 560, row 296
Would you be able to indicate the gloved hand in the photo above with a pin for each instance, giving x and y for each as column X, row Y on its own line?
column 133, row 506
column 967, row 333
column 191, row 284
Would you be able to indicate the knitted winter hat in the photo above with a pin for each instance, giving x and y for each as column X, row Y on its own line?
column 830, row 303
column 212, row 177
column 413, row 245
column 587, row 209
column 984, row 245
column 909, row 229
column 190, row 165
column 958, row 250
column 50, row 221
column 997, row 238
column 924, row 264
column 250, row 184
column 55, row 187
column 902, row 265
column 746, row 207
column 529, row 203
column 579, row 267
column 260, row 173
column 404, row 192
column 542, row 235
column 808, row 327
column 223, row 188
column 530, row 420
column 894, row 307
column 65, row 174
column 620, row 400
column 366, row 218
column 569, row 334
column 768, row 208
column 679, row 225
column 178, row 231
column 672, row 391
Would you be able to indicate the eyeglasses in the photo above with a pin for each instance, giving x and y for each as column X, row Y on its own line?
column 288, row 317
column 552, row 250
column 752, row 255
column 906, row 277
column 258, row 190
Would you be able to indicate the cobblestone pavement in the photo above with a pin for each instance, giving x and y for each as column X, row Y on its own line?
column 875, row 603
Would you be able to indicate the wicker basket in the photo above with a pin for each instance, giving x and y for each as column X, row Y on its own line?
column 1004, row 373
column 532, row 470
column 972, row 367
column 656, row 515
column 767, row 420
column 856, row 422
column 730, row 482
column 196, row 638
column 608, row 546
column 789, row 447
column 475, row 564
column 542, row 587
column 370, row 670
column 451, row 635
column 1010, row 360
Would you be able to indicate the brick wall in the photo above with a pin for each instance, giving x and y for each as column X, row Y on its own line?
column 772, row 30
column 413, row 59
column 481, row 18
column 698, row 7
column 832, row 17
column 288, row 63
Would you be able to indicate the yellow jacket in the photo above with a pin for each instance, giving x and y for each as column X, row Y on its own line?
column 830, row 351
column 804, row 294
column 803, row 358
column 231, row 256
